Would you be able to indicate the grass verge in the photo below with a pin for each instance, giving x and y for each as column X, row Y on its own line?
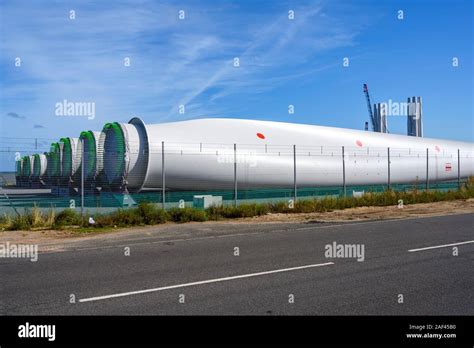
column 151, row 214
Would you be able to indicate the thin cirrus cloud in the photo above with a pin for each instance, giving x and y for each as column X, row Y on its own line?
column 15, row 115
column 173, row 62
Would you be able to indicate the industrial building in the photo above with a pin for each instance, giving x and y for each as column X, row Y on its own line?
column 414, row 118
column 380, row 115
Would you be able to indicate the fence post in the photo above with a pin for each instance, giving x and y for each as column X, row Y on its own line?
column 427, row 173
column 235, row 175
column 343, row 173
column 459, row 170
column 82, row 181
column 294, row 175
column 388, row 168
column 163, row 191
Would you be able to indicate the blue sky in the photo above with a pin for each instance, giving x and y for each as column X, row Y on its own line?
column 190, row 62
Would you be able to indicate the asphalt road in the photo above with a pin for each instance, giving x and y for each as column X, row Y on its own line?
column 276, row 263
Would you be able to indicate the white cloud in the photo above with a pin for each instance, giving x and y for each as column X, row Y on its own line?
column 173, row 62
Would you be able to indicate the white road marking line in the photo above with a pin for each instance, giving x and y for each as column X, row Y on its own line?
column 203, row 282
column 440, row 246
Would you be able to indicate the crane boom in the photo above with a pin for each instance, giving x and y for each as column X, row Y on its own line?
column 369, row 107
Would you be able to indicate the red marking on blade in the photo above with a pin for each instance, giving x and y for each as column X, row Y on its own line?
column 260, row 135
column 437, row 148
column 359, row 143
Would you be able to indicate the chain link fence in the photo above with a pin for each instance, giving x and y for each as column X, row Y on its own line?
column 75, row 173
